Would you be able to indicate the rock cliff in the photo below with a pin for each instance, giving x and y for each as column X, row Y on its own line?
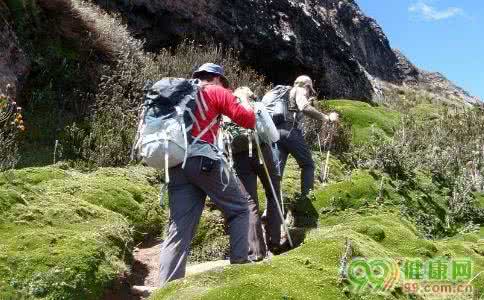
column 346, row 52
column 14, row 65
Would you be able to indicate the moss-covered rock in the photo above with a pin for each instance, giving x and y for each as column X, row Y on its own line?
column 364, row 118
column 67, row 235
column 312, row 270
column 358, row 189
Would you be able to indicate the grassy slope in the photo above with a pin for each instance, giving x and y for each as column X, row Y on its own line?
column 348, row 210
column 311, row 271
column 66, row 234
column 360, row 207
column 363, row 117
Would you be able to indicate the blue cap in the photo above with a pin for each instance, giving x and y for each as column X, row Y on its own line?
column 213, row 69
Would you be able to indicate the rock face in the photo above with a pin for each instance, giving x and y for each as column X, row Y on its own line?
column 14, row 66
column 432, row 82
column 345, row 51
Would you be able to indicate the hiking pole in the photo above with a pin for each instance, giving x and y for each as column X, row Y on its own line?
column 321, row 171
column 282, row 199
column 280, row 173
column 274, row 194
column 326, row 167
column 329, row 140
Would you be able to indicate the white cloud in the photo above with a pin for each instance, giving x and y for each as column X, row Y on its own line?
column 431, row 13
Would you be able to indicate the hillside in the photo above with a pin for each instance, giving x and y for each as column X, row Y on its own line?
column 333, row 41
column 81, row 220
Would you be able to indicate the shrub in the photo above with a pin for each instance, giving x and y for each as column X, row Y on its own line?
column 120, row 92
column 449, row 148
column 11, row 125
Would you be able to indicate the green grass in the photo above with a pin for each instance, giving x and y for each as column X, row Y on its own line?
column 291, row 184
column 210, row 241
column 312, row 270
column 66, row 234
column 364, row 118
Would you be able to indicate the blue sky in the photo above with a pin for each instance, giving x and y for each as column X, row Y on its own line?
column 436, row 35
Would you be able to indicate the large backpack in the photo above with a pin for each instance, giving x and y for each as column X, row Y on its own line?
column 277, row 103
column 239, row 139
column 164, row 129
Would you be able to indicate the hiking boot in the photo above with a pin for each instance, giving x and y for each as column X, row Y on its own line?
column 256, row 258
column 281, row 248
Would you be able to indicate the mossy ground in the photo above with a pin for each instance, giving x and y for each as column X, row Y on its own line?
column 312, row 270
column 67, row 234
column 364, row 118
column 376, row 213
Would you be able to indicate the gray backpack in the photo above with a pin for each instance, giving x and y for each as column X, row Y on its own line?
column 276, row 102
column 165, row 123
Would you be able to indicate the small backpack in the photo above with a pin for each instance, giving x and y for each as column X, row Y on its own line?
column 166, row 120
column 277, row 103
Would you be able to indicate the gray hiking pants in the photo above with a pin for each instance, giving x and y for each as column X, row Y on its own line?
column 248, row 169
column 292, row 142
column 187, row 191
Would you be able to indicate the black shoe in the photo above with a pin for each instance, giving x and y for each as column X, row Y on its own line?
column 279, row 249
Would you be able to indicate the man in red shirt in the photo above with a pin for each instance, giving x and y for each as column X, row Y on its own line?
column 206, row 174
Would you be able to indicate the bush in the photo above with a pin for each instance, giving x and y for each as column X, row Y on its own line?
column 11, row 125
column 328, row 136
column 107, row 139
column 449, row 148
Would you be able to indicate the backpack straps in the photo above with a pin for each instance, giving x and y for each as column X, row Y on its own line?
column 249, row 138
column 205, row 130
column 201, row 103
column 185, row 138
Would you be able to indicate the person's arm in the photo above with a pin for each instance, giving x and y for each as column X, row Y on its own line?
column 241, row 113
column 304, row 105
column 313, row 113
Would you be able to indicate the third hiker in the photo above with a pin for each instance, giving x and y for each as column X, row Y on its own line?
column 290, row 125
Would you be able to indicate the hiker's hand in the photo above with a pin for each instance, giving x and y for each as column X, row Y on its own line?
column 333, row 117
column 244, row 93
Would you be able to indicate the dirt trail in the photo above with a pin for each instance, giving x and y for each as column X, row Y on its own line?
column 146, row 269
column 146, row 266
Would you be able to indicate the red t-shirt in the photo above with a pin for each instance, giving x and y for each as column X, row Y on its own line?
column 221, row 101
